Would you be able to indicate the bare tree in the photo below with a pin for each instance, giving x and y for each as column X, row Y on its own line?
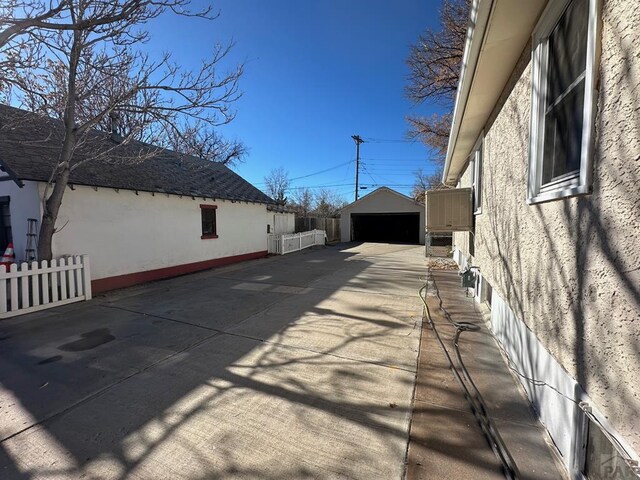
column 302, row 202
column 206, row 143
column 327, row 203
column 425, row 181
column 277, row 183
column 434, row 63
column 80, row 65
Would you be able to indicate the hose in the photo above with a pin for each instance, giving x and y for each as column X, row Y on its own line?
column 469, row 388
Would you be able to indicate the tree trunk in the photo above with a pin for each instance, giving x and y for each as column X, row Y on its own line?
column 63, row 168
column 51, row 209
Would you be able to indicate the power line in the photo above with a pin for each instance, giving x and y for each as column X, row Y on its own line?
column 385, row 140
column 408, row 173
column 314, row 173
column 322, row 186
column 395, row 174
column 368, row 173
column 395, row 159
column 390, row 185
column 350, row 185
column 402, row 166
column 380, row 177
column 323, row 171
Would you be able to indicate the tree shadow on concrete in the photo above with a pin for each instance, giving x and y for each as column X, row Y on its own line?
column 184, row 392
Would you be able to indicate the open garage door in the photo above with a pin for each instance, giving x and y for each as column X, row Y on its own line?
column 385, row 227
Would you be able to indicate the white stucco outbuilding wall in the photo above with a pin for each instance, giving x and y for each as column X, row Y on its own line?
column 24, row 203
column 281, row 222
column 124, row 232
column 382, row 200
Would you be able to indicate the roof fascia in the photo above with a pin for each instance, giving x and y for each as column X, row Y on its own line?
column 478, row 22
column 377, row 190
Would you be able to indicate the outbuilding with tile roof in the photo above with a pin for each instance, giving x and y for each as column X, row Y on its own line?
column 160, row 215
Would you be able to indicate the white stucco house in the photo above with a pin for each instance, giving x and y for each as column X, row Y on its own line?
column 168, row 215
column 546, row 131
column 383, row 215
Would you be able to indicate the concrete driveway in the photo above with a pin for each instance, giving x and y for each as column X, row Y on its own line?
column 291, row 367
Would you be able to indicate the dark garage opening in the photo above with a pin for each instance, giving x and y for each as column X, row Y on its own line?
column 385, row 227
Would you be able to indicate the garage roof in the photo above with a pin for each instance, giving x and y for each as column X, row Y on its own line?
column 378, row 190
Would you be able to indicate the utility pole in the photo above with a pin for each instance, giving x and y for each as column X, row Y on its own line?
column 358, row 140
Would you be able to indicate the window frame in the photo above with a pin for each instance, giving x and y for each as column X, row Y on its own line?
column 205, row 206
column 572, row 183
column 477, row 158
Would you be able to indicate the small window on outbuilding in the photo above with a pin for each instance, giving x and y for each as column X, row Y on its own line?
column 208, row 215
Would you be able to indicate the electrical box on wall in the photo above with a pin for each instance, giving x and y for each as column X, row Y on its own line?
column 468, row 278
column 449, row 210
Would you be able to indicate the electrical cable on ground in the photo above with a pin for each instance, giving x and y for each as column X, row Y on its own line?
column 473, row 396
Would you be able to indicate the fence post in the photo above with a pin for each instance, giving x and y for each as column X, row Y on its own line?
column 282, row 244
column 300, row 241
column 86, row 275
column 63, row 278
column 14, row 287
column 35, row 284
column 71, row 279
column 44, row 265
column 24, row 286
column 54, row 280
column 79, row 279
column 3, row 291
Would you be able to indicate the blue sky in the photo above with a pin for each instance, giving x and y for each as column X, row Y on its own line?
column 317, row 72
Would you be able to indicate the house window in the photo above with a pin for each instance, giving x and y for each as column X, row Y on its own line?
column 208, row 214
column 565, row 47
column 602, row 458
column 476, row 165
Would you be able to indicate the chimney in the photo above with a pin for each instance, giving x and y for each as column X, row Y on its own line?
column 115, row 127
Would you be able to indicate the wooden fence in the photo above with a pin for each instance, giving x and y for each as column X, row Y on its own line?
column 293, row 242
column 330, row 225
column 39, row 285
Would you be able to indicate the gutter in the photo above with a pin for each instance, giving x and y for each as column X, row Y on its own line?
column 481, row 11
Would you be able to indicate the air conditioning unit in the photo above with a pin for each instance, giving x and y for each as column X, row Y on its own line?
column 449, row 210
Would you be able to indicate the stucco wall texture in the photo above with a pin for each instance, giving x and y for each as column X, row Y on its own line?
column 125, row 233
column 570, row 268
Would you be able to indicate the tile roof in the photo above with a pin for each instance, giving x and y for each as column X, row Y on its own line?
column 30, row 144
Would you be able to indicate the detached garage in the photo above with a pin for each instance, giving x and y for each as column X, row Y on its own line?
column 385, row 216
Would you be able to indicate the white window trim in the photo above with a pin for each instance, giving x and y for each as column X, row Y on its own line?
column 478, row 158
column 574, row 183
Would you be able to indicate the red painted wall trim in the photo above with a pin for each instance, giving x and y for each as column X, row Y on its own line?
column 129, row 279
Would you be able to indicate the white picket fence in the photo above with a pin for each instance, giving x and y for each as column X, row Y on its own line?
column 40, row 285
column 293, row 242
